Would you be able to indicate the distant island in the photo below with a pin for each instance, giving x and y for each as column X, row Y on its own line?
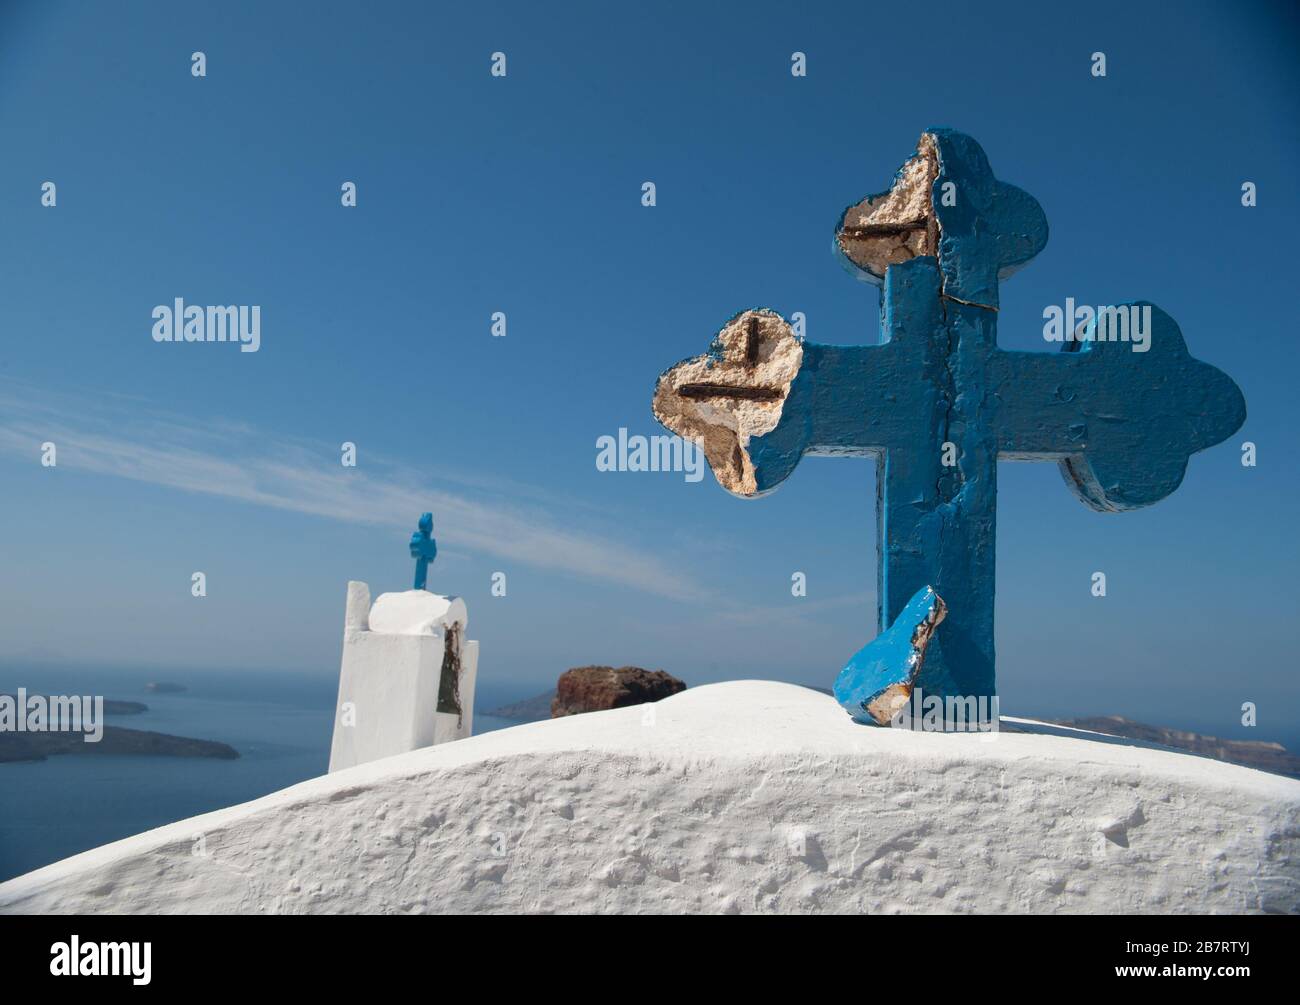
column 25, row 746
column 164, row 687
column 528, row 710
column 112, row 707
column 1260, row 754
column 116, row 740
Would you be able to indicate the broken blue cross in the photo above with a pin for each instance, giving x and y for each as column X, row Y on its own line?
column 424, row 549
column 937, row 403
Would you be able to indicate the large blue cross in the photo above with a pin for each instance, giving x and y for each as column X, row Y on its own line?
column 937, row 403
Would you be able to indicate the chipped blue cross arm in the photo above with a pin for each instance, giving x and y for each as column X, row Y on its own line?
column 937, row 403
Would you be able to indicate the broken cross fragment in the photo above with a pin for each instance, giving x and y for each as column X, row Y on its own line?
column 733, row 392
column 877, row 682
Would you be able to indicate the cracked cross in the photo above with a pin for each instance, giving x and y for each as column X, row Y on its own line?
column 937, row 403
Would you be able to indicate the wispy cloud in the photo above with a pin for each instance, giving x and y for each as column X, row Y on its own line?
column 126, row 438
column 800, row 615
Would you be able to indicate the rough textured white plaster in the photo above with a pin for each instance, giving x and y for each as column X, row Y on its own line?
column 468, row 680
column 416, row 612
column 738, row 797
column 357, row 614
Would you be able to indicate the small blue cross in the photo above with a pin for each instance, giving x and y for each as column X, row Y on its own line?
column 937, row 403
column 424, row 549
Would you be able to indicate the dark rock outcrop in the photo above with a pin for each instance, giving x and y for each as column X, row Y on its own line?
column 594, row 689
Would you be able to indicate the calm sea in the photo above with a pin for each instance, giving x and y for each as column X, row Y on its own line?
column 280, row 723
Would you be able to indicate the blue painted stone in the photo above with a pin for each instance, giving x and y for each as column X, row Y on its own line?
column 1121, row 425
column 424, row 549
column 878, row 681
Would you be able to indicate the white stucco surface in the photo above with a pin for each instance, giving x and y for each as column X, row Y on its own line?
column 416, row 612
column 740, row 797
column 390, row 673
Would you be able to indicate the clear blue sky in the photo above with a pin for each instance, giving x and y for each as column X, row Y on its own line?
column 522, row 195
